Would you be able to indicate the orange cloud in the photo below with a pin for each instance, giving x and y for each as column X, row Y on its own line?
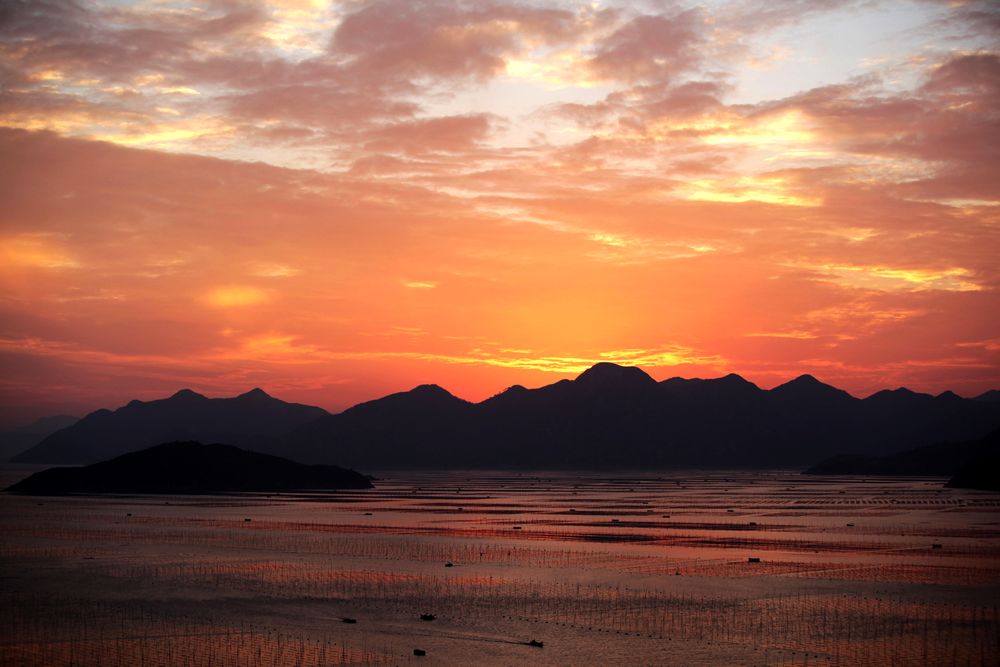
column 341, row 200
column 35, row 251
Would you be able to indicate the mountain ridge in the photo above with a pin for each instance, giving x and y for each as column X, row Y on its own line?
column 613, row 416
column 609, row 416
column 19, row 439
column 247, row 419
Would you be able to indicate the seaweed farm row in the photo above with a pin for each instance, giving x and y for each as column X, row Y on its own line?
column 505, row 568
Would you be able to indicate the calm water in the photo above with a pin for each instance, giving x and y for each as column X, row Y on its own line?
column 682, row 568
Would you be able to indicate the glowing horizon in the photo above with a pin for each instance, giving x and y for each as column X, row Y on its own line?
column 337, row 201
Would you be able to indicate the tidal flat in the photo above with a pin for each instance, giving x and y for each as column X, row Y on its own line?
column 685, row 568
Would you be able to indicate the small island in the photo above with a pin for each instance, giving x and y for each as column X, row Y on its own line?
column 190, row 468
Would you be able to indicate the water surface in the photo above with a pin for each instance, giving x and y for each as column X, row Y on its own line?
column 640, row 568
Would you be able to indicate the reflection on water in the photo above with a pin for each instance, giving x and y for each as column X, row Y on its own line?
column 678, row 568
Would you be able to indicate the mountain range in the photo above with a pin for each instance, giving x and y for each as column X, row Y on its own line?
column 610, row 416
column 250, row 420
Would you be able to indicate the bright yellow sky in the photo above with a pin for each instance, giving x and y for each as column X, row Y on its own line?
column 334, row 201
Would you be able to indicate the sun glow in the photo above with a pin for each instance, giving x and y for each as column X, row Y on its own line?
column 765, row 189
column 236, row 296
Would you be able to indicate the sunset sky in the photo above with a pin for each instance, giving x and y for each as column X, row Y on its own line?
column 334, row 201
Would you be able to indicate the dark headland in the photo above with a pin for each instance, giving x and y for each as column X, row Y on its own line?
column 190, row 467
column 982, row 472
column 971, row 464
column 981, row 469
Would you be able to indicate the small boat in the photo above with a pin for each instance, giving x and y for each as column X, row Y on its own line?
column 419, row 652
column 349, row 620
column 536, row 643
column 427, row 617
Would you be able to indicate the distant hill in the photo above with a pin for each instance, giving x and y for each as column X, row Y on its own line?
column 619, row 417
column 17, row 440
column 942, row 459
column 991, row 396
column 190, row 467
column 249, row 419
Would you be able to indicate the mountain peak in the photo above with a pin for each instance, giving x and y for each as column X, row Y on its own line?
column 729, row 386
column 256, row 392
column 807, row 385
column 898, row 392
column 735, row 378
column 606, row 373
column 186, row 394
column 898, row 396
column 430, row 390
column 513, row 390
column 991, row 396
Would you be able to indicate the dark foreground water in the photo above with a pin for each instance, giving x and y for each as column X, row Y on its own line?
column 728, row 568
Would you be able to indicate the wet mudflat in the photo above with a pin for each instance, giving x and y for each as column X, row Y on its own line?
column 665, row 568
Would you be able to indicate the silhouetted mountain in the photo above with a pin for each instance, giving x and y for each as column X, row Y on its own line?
column 608, row 417
column 606, row 377
column 47, row 425
column 806, row 389
column 616, row 417
column 991, row 396
column 982, row 470
column 190, row 467
column 941, row 459
column 380, row 430
column 249, row 419
column 17, row 440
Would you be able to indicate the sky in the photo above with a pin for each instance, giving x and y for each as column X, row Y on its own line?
column 335, row 201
